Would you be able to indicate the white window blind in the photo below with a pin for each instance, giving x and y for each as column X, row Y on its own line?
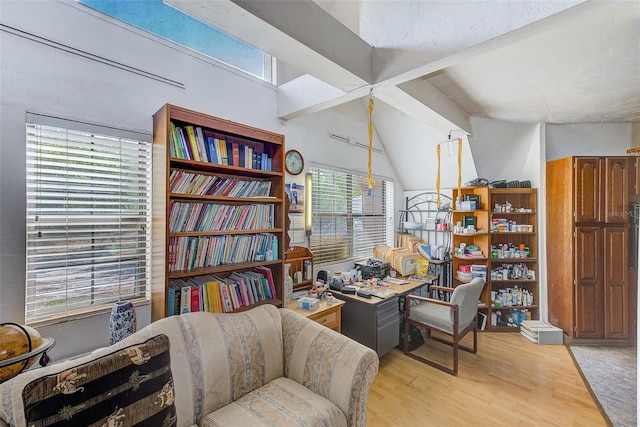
column 88, row 217
column 348, row 222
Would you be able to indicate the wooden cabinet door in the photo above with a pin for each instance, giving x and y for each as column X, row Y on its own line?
column 589, row 320
column 616, row 181
column 587, row 189
column 616, row 285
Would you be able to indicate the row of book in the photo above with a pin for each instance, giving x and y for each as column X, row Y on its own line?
column 220, row 295
column 192, row 143
column 189, row 216
column 190, row 253
column 210, row 185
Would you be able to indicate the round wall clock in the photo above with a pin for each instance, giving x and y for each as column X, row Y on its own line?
column 293, row 162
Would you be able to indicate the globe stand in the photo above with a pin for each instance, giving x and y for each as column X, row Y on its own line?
column 26, row 358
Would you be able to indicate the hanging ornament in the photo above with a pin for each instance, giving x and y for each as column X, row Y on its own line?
column 369, row 177
column 459, row 164
column 438, row 176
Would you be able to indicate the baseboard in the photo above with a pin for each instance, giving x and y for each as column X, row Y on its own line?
column 599, row 342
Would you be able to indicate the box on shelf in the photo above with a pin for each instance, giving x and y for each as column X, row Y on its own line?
column 465, row 205
column 464, row 276
column 474, row 199
column 479, row 271
column 466, row 268
column 469, row 220
column 430, row 224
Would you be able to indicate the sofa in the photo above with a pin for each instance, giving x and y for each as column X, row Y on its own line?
column 264, row 366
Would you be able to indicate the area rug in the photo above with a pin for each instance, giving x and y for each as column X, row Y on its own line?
column 610, row 373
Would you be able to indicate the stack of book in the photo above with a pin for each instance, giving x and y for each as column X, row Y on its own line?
column 189, row 253
column 220, row 295
column 192, row 143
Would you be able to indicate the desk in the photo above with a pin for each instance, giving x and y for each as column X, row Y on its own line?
column 375, row 322
column 329, row 315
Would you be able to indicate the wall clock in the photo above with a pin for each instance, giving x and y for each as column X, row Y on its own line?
column 293, row 162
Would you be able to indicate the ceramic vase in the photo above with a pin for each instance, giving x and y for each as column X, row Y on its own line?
column 122, row 322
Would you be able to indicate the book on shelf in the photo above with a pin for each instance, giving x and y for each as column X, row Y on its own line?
column 222, row 145
column 185, row 297
column 195, row 150
column 482, row 321
column 266, row 272
column 202, row 145
column 195, row 297
column 213, row 150
column 173, row 298
column 235, row 153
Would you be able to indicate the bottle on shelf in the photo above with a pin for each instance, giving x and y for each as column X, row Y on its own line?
column 288, row 285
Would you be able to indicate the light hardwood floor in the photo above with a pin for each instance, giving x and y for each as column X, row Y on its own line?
column 509, row 382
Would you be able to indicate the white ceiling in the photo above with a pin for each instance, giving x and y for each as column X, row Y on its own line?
column 440, row 62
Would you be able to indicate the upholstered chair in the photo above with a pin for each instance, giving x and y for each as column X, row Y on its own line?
column 453, row 319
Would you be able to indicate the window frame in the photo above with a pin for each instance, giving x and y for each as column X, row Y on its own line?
column 131, row 215
column 383, row 189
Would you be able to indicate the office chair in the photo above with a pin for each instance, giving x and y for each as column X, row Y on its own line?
column 454, row 318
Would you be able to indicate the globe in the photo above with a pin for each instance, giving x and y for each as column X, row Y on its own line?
column 14, row 342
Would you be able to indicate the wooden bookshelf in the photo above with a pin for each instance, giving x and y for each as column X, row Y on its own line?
column 211, row 217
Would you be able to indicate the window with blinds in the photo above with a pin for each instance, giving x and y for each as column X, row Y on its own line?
column 88, row 217
column 348, row 222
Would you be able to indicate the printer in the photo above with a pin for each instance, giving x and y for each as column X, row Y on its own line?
column 373, row 267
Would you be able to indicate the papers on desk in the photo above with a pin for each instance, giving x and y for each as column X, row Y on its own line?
column 394, row 281
column 382, row 292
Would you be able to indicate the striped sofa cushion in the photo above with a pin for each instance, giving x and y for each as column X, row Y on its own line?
column 282, row 402
column 132, row 386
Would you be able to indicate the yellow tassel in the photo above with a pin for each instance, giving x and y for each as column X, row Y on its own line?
column 369, row 177
column 459, row 164
column 438, row 176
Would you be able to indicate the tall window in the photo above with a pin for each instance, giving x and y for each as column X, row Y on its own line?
column 88, row 217
column 348, row 222
column 172, row 24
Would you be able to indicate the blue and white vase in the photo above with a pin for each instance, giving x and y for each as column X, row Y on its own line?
column 122, row 322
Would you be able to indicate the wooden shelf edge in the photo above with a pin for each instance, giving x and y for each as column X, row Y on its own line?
column 223, row 232
column 517, row 307
column 221, row 269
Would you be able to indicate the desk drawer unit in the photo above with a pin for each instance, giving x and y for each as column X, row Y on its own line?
column 388, row 326
column 329, row 318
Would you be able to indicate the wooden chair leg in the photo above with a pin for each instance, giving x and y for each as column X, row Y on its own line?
column 406, row 337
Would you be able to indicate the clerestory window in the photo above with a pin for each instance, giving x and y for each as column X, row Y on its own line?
column 172, row 24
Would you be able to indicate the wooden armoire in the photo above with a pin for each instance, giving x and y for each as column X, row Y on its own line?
column 588, row 252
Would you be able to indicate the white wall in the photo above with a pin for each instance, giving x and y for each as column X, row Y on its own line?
column 403, row 134
column 598, row 139
column 48, row 79
column 505, row 150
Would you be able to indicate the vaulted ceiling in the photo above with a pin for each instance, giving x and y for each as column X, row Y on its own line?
column 440, row 62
